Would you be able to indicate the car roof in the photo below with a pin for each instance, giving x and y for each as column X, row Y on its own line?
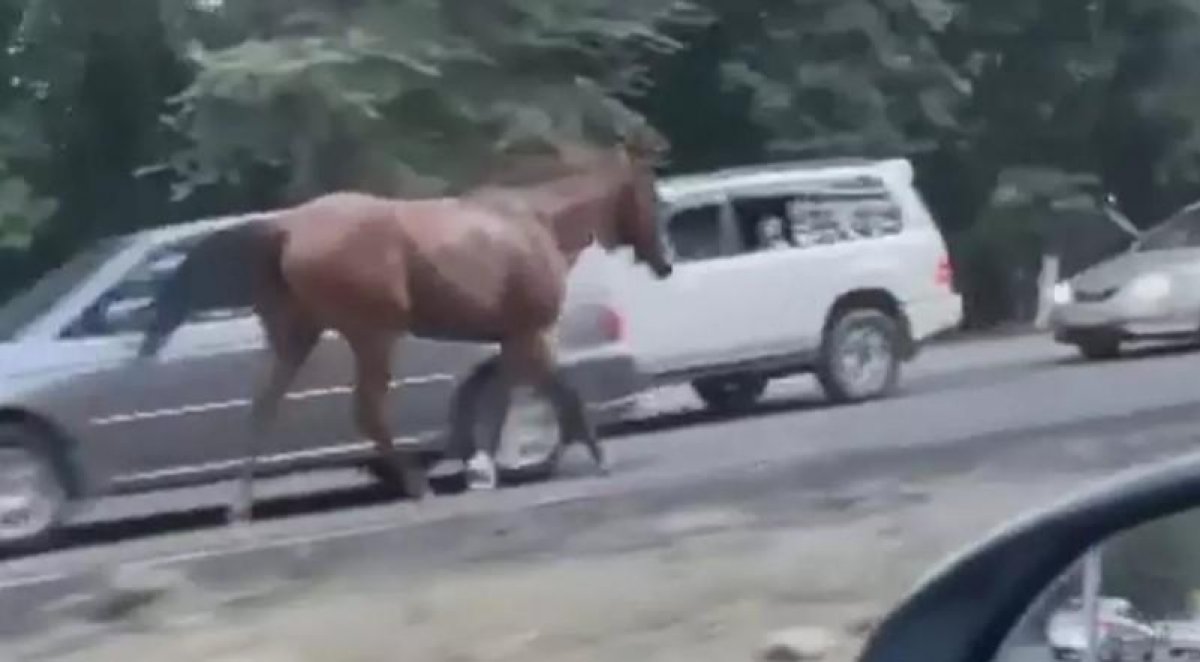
column 780, row 172
column 188, row 229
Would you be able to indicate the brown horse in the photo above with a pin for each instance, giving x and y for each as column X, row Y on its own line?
column 487, row 266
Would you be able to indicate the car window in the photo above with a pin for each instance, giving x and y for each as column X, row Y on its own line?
column 30, row 305
column 762, row 222
column 1180, row 231
column 126, row 307
column 695, row 233
column 821, row 213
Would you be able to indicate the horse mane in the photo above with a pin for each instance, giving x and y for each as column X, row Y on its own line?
column 516, row 169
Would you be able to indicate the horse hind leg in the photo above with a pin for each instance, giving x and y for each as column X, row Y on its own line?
column 372, row 362
column 578, row 424
column 291, row 340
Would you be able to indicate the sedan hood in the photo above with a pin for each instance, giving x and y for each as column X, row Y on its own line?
column 1117, row 271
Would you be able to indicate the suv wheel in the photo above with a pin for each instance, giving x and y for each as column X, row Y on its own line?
column 860, row 356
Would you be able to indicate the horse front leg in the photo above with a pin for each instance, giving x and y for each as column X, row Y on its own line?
column 528, row 359
column 290, row 341
column 373, row 364
column 579, row 423
column 540, row 367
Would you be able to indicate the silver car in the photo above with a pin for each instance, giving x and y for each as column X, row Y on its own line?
column 79, row 419
column 1180, row 640
column 1123, row 634
column 1149, row 292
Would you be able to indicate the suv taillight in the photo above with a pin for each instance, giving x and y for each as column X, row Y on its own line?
column 611, row 324
column 944, row 275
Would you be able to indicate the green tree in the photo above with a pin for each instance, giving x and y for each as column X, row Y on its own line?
column 837, row 77
column 401, row 98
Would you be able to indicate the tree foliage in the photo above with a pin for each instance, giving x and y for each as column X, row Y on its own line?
column 854, row 76
column 401, row 97
column 171, row 109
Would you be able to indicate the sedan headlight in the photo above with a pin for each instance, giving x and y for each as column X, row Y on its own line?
column 1149, row 287
column 1062, row 294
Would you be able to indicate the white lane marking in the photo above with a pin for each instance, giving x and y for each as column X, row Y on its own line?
column 33, row 580
column 341, row 449
column 135, row 416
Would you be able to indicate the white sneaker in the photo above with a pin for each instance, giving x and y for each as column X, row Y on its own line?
column 481, row 472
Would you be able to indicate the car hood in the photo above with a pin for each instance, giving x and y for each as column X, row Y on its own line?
column 1119, row 270
column 1182, row 631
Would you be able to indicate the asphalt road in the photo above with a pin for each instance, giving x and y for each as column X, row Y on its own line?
column 954, row 393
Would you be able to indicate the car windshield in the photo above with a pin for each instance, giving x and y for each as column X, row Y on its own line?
column 35, row 301
column 1182, row 230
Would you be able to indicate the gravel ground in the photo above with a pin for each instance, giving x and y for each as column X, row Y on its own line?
column 711, row 578
column 697, row 585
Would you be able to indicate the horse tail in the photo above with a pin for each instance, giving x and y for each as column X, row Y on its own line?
column 230, row 268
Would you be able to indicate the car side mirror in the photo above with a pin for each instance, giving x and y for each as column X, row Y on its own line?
column 1037, row 587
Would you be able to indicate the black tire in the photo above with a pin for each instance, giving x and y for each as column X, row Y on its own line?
column 23, row 448
column 848, row 327
column 1100, row 349
column 728, row 394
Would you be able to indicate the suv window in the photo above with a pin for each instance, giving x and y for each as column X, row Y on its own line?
column 126, row 307
column 819, row 214
column 762, row 222
column 695, row 233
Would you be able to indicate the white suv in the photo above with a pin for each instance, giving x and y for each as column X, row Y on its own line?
column 835, row 268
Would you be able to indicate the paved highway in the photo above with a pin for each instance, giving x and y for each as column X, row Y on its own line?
column 979, row 392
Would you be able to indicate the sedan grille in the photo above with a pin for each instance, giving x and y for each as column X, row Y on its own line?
column 1093, row 296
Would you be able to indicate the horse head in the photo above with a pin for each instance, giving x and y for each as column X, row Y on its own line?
column 628, row 211
column 637, row 221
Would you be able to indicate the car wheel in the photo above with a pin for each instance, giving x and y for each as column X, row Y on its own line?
column 1098, row 349
column 730, row 393
column 531, row 439
column 859, row 358
column 33, row 497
